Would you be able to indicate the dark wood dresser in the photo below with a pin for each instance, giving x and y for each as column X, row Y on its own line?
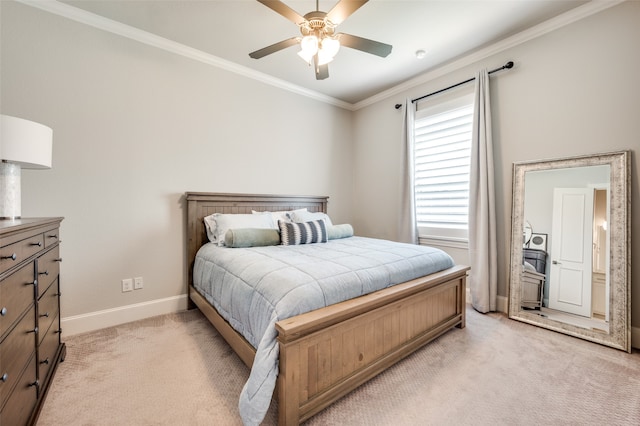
column 30, row 344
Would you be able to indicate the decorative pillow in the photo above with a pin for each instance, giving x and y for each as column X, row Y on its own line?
column 339, row 231
column 307, row 216
column 284, row 215
column 251, row 237
column 303, row 233
column 218, row 224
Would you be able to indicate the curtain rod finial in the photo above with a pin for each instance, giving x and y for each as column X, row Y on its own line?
column 509, row 65
column 398, row 106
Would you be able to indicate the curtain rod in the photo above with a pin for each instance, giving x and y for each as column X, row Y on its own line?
column 508, row 65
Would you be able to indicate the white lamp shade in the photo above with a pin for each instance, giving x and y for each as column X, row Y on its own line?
column 330, row 46
column 309, row 45
column 305, row 56
column 324, row 57
column 25, row 142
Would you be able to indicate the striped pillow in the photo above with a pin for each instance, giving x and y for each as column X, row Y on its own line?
column 302, row 233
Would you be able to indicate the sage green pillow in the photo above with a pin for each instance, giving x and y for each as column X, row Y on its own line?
column 335, row 232
column 251, row 237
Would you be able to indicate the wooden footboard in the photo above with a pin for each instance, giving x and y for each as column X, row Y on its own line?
column 326, row 353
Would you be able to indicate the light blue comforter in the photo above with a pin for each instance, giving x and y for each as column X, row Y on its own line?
column 253, row 288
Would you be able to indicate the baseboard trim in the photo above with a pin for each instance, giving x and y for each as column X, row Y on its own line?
column 110, row 317
column 635, row 337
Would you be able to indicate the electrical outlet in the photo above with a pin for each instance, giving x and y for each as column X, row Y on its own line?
column 138, row 283
column 127, row 284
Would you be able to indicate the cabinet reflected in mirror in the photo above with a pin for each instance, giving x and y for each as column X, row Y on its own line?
column 570, row 239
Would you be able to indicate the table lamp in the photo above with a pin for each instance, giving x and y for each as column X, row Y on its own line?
column 23, row 144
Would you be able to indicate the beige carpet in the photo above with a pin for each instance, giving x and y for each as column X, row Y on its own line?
column 176, row 370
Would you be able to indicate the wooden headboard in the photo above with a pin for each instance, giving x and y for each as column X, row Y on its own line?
column 201, row 204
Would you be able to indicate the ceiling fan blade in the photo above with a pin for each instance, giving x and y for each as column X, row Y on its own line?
column 365, row 45
column 274, row 48
column 344, row 9
column 284, row 10
column 322, row 72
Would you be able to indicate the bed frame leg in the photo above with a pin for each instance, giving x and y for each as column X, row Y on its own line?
column 462, row 301
column 288, row 377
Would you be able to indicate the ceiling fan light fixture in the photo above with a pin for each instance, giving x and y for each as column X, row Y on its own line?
column 324, row 58
column 309, row 45
column 320, row 43
column 306, row 56
column 308, row 48
column 330, row 46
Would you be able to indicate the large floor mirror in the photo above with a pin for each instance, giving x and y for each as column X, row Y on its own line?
column 570, row 246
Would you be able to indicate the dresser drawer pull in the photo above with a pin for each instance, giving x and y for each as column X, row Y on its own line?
column 57, row 294
column 39, row 244
column 55, row 236
column 43, row 273
column 58, row 331
column 58, row 259
column 4, row 377
column 45, row 315
column 46, row 361
column 36, row 383
column 3, row 312
column 35, row 330
column 35, row 282
column 12, row 257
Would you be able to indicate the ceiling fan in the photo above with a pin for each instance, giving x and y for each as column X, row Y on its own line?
column 319, row 42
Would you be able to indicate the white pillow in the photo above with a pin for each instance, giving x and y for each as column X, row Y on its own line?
column 307, row 216
column 218, row 224
column 284, row 215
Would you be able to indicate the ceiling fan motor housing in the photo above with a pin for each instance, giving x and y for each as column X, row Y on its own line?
column 316, row 23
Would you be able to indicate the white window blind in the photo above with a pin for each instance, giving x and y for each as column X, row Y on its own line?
column 442, row 163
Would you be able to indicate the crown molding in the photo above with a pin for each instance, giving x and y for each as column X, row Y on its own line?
column 580, row 12
column 115, row 27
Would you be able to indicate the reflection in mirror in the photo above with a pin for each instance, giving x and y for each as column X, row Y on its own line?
column 566, row 274
column 526, row 234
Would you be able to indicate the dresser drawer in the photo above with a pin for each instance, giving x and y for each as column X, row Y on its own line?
column 48, row 269
column 13, row 254
column 16, row 294
column 51, row 236
column 15, row 350
column 22, row 401
column 47, row 309
column 47, row 350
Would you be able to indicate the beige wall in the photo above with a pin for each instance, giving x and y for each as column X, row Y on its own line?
column 134, row 128
column 573, row 91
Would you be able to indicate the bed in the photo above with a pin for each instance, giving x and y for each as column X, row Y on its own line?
column 326, row 353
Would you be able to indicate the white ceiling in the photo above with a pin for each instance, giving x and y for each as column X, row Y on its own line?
column 230, row 29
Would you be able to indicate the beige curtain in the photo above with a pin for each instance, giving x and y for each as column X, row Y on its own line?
column 483, row 281
column 407, row 228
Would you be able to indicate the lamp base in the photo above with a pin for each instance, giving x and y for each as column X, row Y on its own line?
column 9, row 191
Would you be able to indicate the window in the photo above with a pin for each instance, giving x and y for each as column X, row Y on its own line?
column 442, row 164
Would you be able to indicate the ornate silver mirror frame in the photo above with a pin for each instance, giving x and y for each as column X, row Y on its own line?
column 618, row 334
